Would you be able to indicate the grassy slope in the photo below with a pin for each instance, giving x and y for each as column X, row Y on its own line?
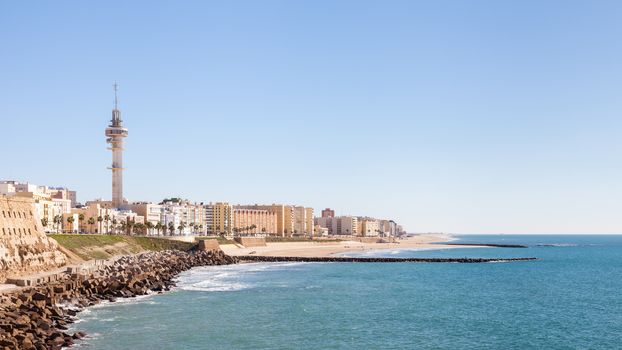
column 104, row 246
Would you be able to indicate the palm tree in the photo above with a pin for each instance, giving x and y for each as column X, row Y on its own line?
column 171, row 228
column 149, row 226
column 181, row 227
column 44, row 222
column 140, row 227
column 158, row 227
column 70, row 222
column 81, row 219
column 99, row 223
column 130, row 226
column 58, row 219
column 107, row 219
column 201, row 228
column 114, row 226
column 91, row 222
column 123, row 226
column 263, row 230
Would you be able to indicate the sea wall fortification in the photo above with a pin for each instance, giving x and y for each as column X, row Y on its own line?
column 24, row 248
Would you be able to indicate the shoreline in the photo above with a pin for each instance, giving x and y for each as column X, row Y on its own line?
column 39, row 317
column 332, row 249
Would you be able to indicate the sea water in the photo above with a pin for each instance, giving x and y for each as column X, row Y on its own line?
column 568, row 299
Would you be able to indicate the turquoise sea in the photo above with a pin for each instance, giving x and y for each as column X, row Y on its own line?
column 569, row 299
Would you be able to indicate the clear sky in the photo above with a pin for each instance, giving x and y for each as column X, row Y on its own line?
column 455, row 116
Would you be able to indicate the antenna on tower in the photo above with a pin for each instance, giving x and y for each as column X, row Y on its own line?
column 116, row 88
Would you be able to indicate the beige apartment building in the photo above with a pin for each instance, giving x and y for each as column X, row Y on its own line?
column 369, row 227
column 219, row 218
column 254, row 221
column 339, row 225
column 150, row 211
column 290, row 220
column 96, row 218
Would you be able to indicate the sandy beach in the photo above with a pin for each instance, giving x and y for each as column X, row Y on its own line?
column 319, row 248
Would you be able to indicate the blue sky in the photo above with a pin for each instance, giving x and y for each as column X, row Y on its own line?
column 454, row 116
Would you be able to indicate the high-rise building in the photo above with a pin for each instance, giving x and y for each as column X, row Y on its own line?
column 290, row 220
column 328, row 213
column 340, row 225
column 115, row 133
column 253, row 221
column 219, row 218
column 369, row 227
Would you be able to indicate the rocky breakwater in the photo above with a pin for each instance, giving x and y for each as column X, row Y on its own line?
column 38, row 317
column 257, row 258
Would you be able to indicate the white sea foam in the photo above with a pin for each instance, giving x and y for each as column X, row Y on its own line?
column 226, row 278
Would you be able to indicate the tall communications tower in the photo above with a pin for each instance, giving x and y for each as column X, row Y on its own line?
column 115, row 133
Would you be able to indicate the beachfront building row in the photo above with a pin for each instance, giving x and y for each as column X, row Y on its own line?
column 291, row 220
column 355, row 225
column 223, row 218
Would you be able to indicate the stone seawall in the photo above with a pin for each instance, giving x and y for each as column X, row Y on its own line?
column 33, row 318
column 257, row 258
column 248, row 242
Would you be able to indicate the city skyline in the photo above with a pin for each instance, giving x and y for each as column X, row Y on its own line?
column 520, row 135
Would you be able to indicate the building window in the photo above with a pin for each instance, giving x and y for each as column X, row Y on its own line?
column 29, row 231
column 3, row 214
column 3, row 231
column 14, row 231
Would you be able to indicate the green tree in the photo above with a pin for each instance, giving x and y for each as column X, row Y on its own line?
column 99, row 224
column 81, row 220
column 44, row 222
column 171, row 228
column 158, row 227
column 70, row 221
column 91, row 222
column 107, row 220
column 130, row 226
column 149, row 226
column 181, row 227
column 140, row 228
column 58, row 219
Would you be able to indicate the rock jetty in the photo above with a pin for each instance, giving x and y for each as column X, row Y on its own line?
column 487, row 245
column 38, row 317
column 258, row 258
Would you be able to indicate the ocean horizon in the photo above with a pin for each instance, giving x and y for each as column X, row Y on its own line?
column 568, row 299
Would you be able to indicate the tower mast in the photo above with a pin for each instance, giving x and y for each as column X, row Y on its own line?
column 115, row 133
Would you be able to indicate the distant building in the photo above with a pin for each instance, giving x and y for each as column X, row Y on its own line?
column 50, row 202
column 328, row 213
column 151, row 212
column 340, row 225
column 253, row 221
column 303, row 221
column 369, row 227
column 219, row 218
column 290, row 220
column 187, row 218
